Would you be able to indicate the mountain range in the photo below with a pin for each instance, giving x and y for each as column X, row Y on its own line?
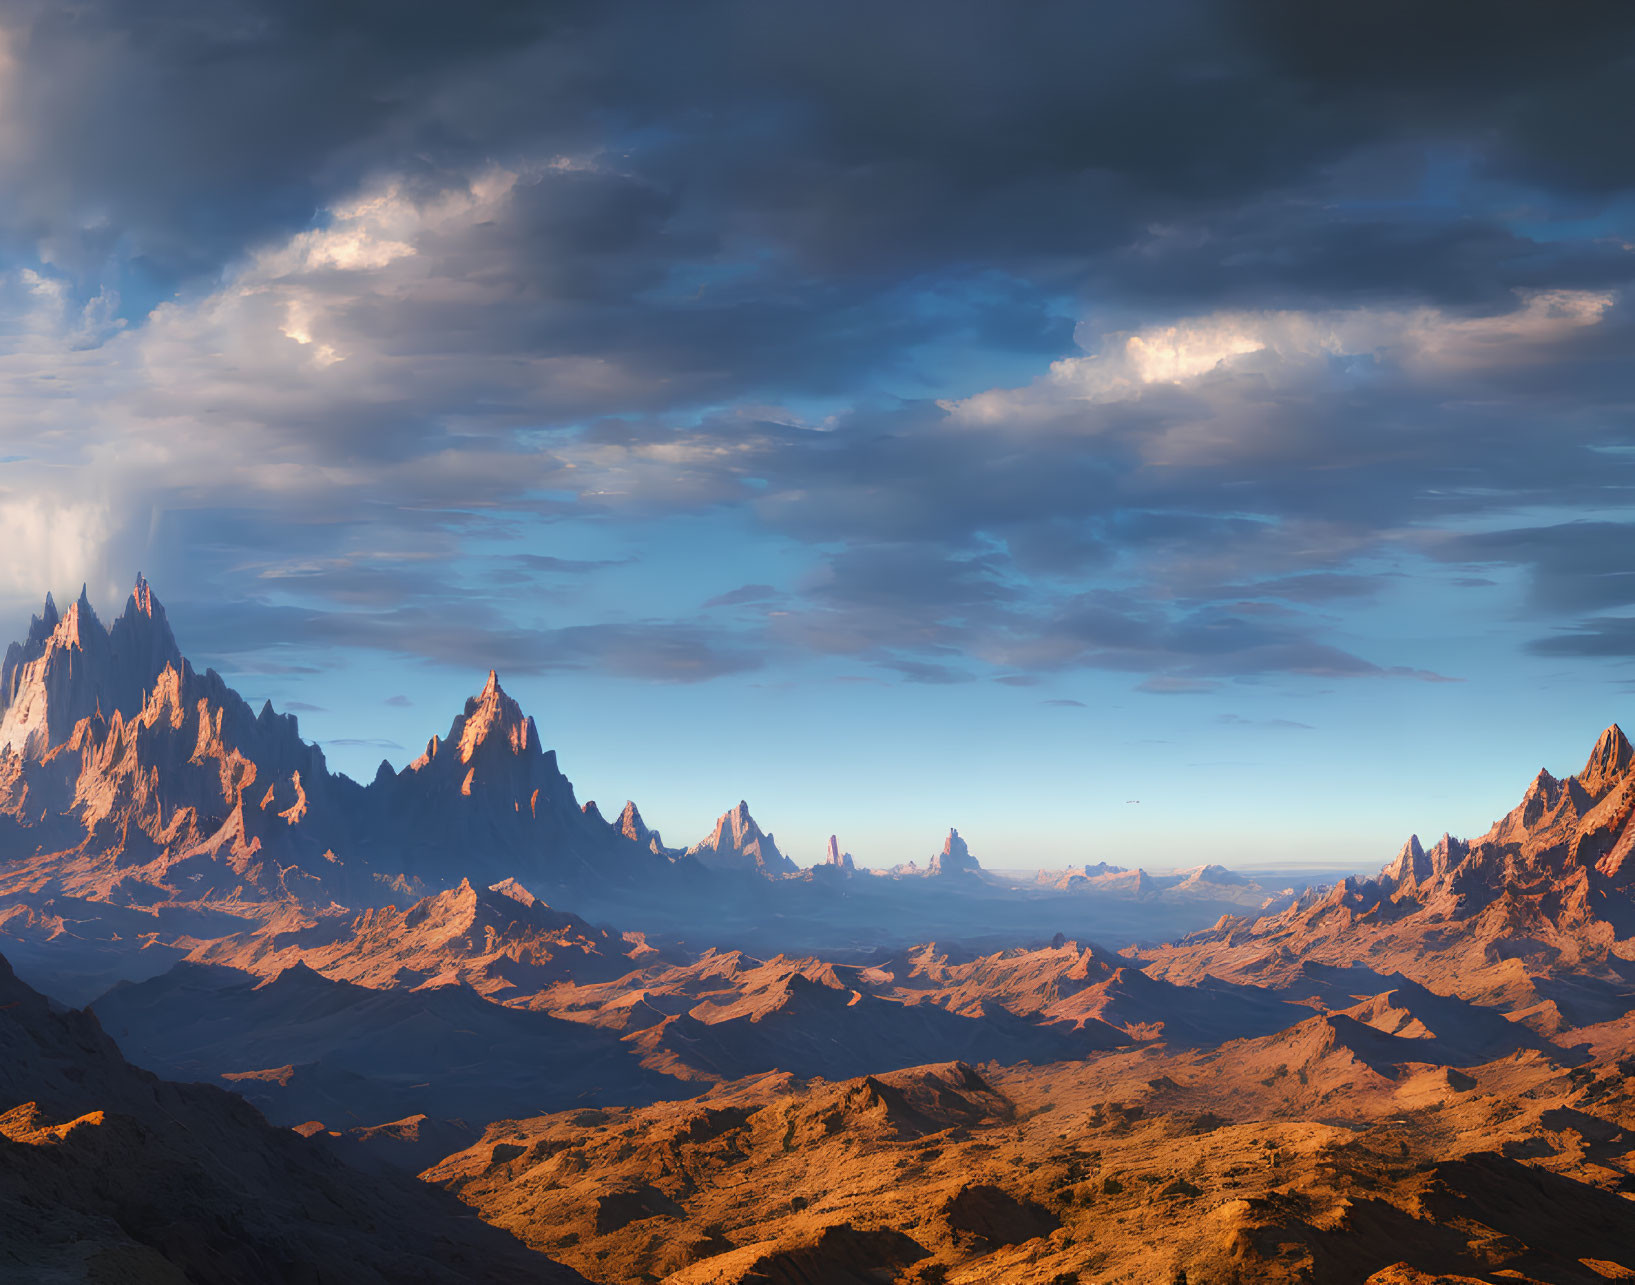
column 718, row 1067
column 109, row 1174
column 146, row 807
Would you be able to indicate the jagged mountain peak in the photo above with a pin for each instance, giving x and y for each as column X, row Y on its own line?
column 735, row 829
column 126, row 768
column 514, row 890
column 492, row 716
column 737, row 842
column 71, row 667
column 1543, row 785
column 629, row 825
column 142, row 599
column 1411, row 866
column 835, row 857
column 1607, row 762
column 955, row 857
column 78, row 625
column 489, row 719
column 1555, row 874
column 632, row 826
column 298, row 976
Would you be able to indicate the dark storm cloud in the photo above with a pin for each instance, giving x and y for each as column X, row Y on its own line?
column 584, row 258
column 1286, row 255
column 1553, row 92
column 861, row 139
column 176, row 131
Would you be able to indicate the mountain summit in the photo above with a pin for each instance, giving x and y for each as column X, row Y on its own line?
column 835, row 857
column 1552, row 883
column 126, row 775
column 70, row 667
column 738, row 844
column 955, row 857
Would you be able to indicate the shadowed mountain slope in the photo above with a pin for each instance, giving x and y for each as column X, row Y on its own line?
column 109, row 1174
column 380, row 1055
column 127, row 776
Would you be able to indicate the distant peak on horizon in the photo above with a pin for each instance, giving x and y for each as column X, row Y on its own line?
column 103, row 666
column 955, row 857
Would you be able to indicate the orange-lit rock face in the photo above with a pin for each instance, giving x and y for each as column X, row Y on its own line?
column 737, row 844
column 1414, row 1077
column 1277, row 1160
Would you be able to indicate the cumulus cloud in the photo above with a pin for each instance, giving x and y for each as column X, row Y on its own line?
column 1421, row 341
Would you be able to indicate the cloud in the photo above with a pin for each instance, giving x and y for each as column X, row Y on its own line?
column 401, row 702
column 1424, row 341
column 545, row 564
column 745, row 595
column 1270, row 724
column 1176, row 685
column 1270, row 313
column 1605, row 637
column 481, row 639
column 1582, row 565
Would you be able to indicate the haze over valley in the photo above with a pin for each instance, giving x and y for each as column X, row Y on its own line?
column 1451, row 1034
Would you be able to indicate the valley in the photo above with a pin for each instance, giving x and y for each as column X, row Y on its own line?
column 470, row 1016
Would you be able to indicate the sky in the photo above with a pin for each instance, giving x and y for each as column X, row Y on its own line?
column 1150, row 433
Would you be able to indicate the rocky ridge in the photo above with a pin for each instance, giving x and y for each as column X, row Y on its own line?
column 738, row 844
column 1548, row 892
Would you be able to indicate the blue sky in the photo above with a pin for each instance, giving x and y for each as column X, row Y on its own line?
column 898, row 417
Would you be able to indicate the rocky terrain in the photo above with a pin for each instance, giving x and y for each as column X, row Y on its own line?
column 1128, row 1167
column 708, row 1064
column 1537, row 915
column 1439, row 1091
column 109, row 1174
column 145, row 808
column 308, row 1019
